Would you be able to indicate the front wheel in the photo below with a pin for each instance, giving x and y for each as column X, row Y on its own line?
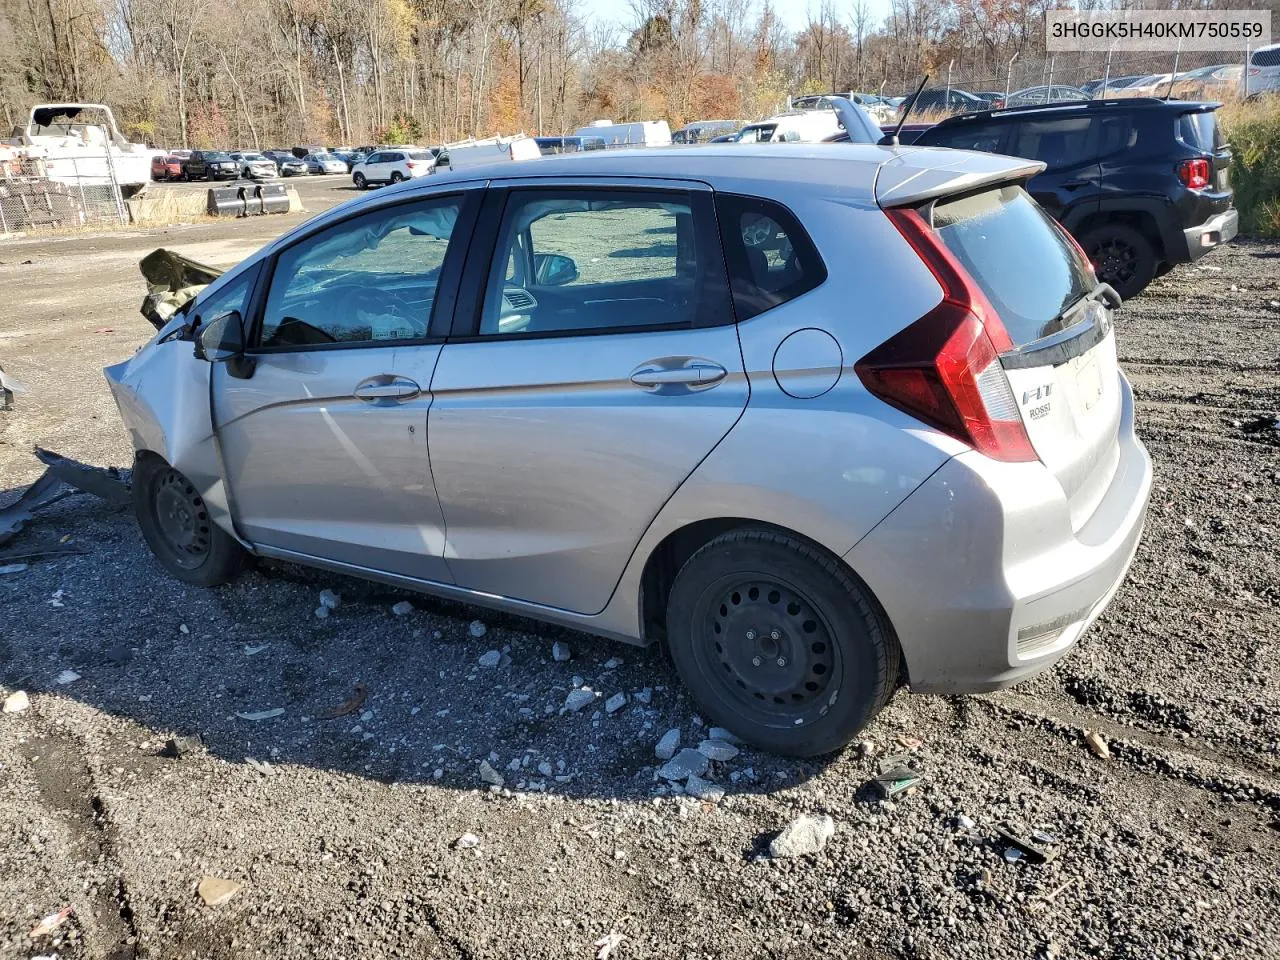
column 360, row 181
column 780, row 643
column 175, row 523
column 1121, row 256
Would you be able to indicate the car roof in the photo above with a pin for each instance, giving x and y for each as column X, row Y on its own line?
column 1076, row 106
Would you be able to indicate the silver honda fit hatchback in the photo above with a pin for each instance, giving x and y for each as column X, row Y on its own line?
column 825, row 420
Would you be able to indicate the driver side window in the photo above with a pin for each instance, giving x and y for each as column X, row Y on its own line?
column 368, row 279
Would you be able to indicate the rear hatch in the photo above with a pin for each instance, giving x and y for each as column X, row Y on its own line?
column 1198, row 129
column 1062, row 364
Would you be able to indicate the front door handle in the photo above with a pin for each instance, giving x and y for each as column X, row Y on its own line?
column 701, row 373
column 387, row 388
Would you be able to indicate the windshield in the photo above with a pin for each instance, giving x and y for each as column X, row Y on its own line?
column 760, row 133
column 217, row 156
column 1024, row 262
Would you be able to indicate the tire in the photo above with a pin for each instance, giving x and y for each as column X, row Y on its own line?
column 360, row 182
column 813, row 658
column 397, row 176
column 1121, row 256
column 1164, row 269
column 177, row 528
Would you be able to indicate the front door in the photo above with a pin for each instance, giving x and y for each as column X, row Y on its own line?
column 324, row 442
column 596, row 368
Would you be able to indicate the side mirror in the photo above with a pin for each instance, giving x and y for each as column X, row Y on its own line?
column 553, row 270
column 222, row 338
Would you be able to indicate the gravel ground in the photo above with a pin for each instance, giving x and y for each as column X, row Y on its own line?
column 344, row 830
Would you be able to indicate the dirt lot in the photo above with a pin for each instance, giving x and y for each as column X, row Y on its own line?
column 344, row 831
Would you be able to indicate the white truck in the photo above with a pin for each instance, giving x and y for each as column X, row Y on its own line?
column 641, row 133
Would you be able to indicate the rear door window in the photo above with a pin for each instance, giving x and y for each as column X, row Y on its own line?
column 985, row 137
column 770, row 257
column 1024, row 262
column 1059, row 143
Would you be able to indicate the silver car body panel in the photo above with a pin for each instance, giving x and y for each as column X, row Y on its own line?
column 588, row 476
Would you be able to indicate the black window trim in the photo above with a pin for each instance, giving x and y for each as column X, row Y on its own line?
column 480, row 261
column 442, row 308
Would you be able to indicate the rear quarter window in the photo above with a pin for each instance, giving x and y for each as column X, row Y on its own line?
column 1200, row 131
column 770, row 257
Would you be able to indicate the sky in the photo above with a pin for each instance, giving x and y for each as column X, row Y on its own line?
column 793, row 13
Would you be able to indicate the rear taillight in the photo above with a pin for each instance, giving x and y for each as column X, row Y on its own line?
column 411, row 164
column 1194, row 173
column 997, row 104
column 945, row 368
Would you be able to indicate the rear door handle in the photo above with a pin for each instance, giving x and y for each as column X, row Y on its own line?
column 692, row 373
column 1073, row 184
column 387, row 388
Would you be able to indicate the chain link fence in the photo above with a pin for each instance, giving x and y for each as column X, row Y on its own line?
column 58, row 192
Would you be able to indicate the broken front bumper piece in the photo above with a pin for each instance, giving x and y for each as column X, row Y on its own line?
column 61, row 473
column 172, row 281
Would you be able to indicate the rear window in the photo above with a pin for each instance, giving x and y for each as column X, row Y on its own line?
column 1266, row 57
column 420, row 155
column 1023, row 261
column 1199, row 131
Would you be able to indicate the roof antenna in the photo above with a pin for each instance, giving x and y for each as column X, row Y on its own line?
column 891, row 139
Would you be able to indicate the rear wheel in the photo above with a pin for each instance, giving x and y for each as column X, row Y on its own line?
column 176, row 525
column 397, row 177
column 780, row 643
column 360, row 181
column 1121, row 256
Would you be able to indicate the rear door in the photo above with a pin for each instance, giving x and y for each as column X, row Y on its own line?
column 1062, row 367
column 1068, row 145
column 595, row 366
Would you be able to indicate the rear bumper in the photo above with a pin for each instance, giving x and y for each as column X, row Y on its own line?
column 982, row 576
column 1212, row 233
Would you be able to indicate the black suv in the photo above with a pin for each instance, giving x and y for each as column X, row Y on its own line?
column 210, row 165
column 1142, row 184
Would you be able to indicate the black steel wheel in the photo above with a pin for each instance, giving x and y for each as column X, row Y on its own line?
column 780, row 643
column 1121, row 256
column 176, row 524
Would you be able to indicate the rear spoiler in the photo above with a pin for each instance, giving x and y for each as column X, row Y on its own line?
column 856, row 121
column 918, row 174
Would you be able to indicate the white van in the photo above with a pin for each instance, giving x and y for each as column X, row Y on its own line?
column 797, row 126
column 642, row 133
column 471, row 153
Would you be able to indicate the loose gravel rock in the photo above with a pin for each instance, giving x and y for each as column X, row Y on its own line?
column 802, row 836
column 1169, row 849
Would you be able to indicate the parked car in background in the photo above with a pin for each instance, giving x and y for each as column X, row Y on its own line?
column 166, row 167
column 256, row 166
column 211, row 165
column 303, row 152
column 989, row 96
column 1141, row 183
column 1155, row 84
column 701, row 131
column 286, row 163
column 350, row 158
column 548, row 146
column 594, row 387
column 392, row 166
column 1033, row 96
column 1095, row 88
column 728, row 137
column 1264, row 70
column 939, row 99
column 324, row 163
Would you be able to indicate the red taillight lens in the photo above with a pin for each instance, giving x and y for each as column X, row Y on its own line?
column 945, row 368
column 410, row 164
column 1194, row 173
column 997, row 104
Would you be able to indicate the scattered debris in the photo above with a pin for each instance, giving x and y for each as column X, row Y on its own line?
column 322, row 612
column 261, row 766
column 16, row 702
column 965, row 822
column 613, row 663
column 12, row 568
column 330, row 600
column 666, row 748
column 577, row 699
column 65, row 677
column 720, row 733
column 895, row 775
column 687, row 763
column 403, row 608
column 804, row 835
column 701, row 789
column 909, row 743
column 490, row 659
column 253, row 651
column 467, row 841
column 560, row 652
column 490, row 775
column 262, row 714
column 477, row 629
column 55, row 600
column 215, row 891
column 607, row 944
column 1034, row 852
column 1097, row 744
column 349, row 705
column 176, row 747
column 51, row 923
column 172, row 280
column 1012, row 855
column 615, row 703
column 645, row 696
column 61, row 478
column 717, row 750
